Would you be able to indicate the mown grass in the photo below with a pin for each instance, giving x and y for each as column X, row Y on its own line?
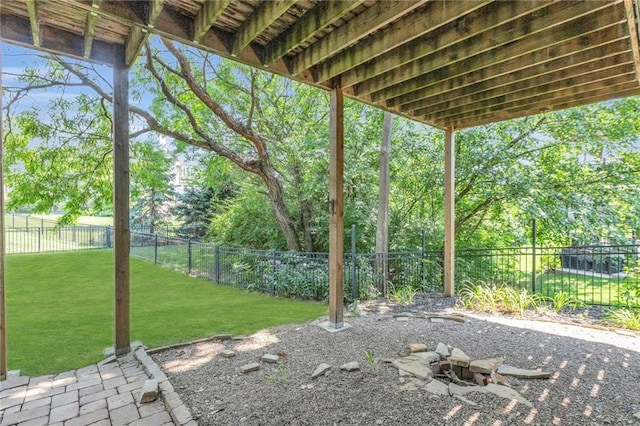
column 60, row 309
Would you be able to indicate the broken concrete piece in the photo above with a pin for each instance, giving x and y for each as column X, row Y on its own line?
column 418, row 347
column 350, row 366
column 437, row 387
column 270, row 358
column 458, row 357
column 248, row 368
column 321, row 370
column 228, row 353
column 149, row 392
column 442, row 350
column 406, row 387
column 414, row 365
column 498, row 379
column 501, row 391
column 507, row 370
column 428, row 356
column 485, row 366
column 480, row 379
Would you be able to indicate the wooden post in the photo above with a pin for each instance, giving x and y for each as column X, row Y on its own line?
column 336, row 219
column 122, row 235
column 449, row 212
column 3, row 314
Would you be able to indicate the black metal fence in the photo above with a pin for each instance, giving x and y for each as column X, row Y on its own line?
column 596, row 275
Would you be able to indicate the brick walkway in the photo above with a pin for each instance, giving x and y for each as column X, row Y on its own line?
column 106, row 393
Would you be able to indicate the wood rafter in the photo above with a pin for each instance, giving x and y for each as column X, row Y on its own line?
column 477, row 21
column 210, row 12
column 541, row 73
column 613, row 75
column 139, row 35
column 396, row 34
column 519, row 36
column 602, row 95
column 265, row 15
column 313, row 22
column 92, row 18
column 32, row 10
column 376, row 17
column 632, row 21
column 459, row 75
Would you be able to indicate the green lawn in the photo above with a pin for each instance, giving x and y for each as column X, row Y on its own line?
column 60, row 309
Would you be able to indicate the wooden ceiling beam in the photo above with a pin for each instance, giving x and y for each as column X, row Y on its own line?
column 632, row 22
column 32, row 11
column 543, row 100
column 617, row 92
column 459, row 75
column 139, row 35
column 605, row 70
column 372, row 19
column 123, row 12
column 501, row 43
column 324, row 15
column 90, row 28
column 557, row 69
column 410, row 27
column 208, row 15
column 264, row 15
column 475, row 22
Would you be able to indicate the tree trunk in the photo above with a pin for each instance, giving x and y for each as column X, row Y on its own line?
column 276, row 196
column 382, row 232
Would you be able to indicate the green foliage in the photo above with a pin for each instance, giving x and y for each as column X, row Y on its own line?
column 561, row 300
column 625, row 318
column 402, row 295
column 500, row 298
column 166, row 307
column 373, row 366
column 298, row 276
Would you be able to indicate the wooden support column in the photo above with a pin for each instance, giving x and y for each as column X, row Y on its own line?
column 121, row 233
column 449, row 211
column 3, row 312
column 336, row 220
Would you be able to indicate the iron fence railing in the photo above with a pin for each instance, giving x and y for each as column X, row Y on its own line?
column 596, row 275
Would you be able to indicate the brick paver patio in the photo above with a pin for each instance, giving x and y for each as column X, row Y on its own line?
column 106, row 393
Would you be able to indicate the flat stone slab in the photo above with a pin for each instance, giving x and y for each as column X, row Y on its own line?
column 415, row 366
column 429, row 357
column 501, row 391
column 402, row 319
column 350, row 366
column 228, row 353
column 418, row 347
column 321, row 370
column 507, row 370
column 270, row 358
column 248, row 368
column 442, row 350
column 485, row 366
column 437, row 387
column 459, row 358
column 149, row 391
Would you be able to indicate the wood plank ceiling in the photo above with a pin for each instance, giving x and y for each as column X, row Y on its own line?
column 448, row 63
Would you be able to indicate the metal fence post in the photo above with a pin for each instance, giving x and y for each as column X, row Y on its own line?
column 274, row 283
column 534, row 231
column 423, row 253
column 155, row 249
column 216, row 264
column 39, row 234
column 189, row 256
column 42, row 224
column 26, row 221
column 354, row 282
column 13, row 220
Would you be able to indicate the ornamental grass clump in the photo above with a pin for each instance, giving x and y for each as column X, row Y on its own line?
column 498, row 298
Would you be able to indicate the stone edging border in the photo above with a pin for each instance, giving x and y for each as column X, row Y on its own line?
column 179, row 412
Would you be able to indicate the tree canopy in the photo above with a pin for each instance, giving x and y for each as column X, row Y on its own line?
column 260, row 145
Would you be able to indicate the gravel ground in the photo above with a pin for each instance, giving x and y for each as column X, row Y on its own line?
column 595, row 381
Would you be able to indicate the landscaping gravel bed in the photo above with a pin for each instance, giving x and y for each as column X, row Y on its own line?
column 595, row 373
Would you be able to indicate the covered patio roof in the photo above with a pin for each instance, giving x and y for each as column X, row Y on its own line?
column 447, row 63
